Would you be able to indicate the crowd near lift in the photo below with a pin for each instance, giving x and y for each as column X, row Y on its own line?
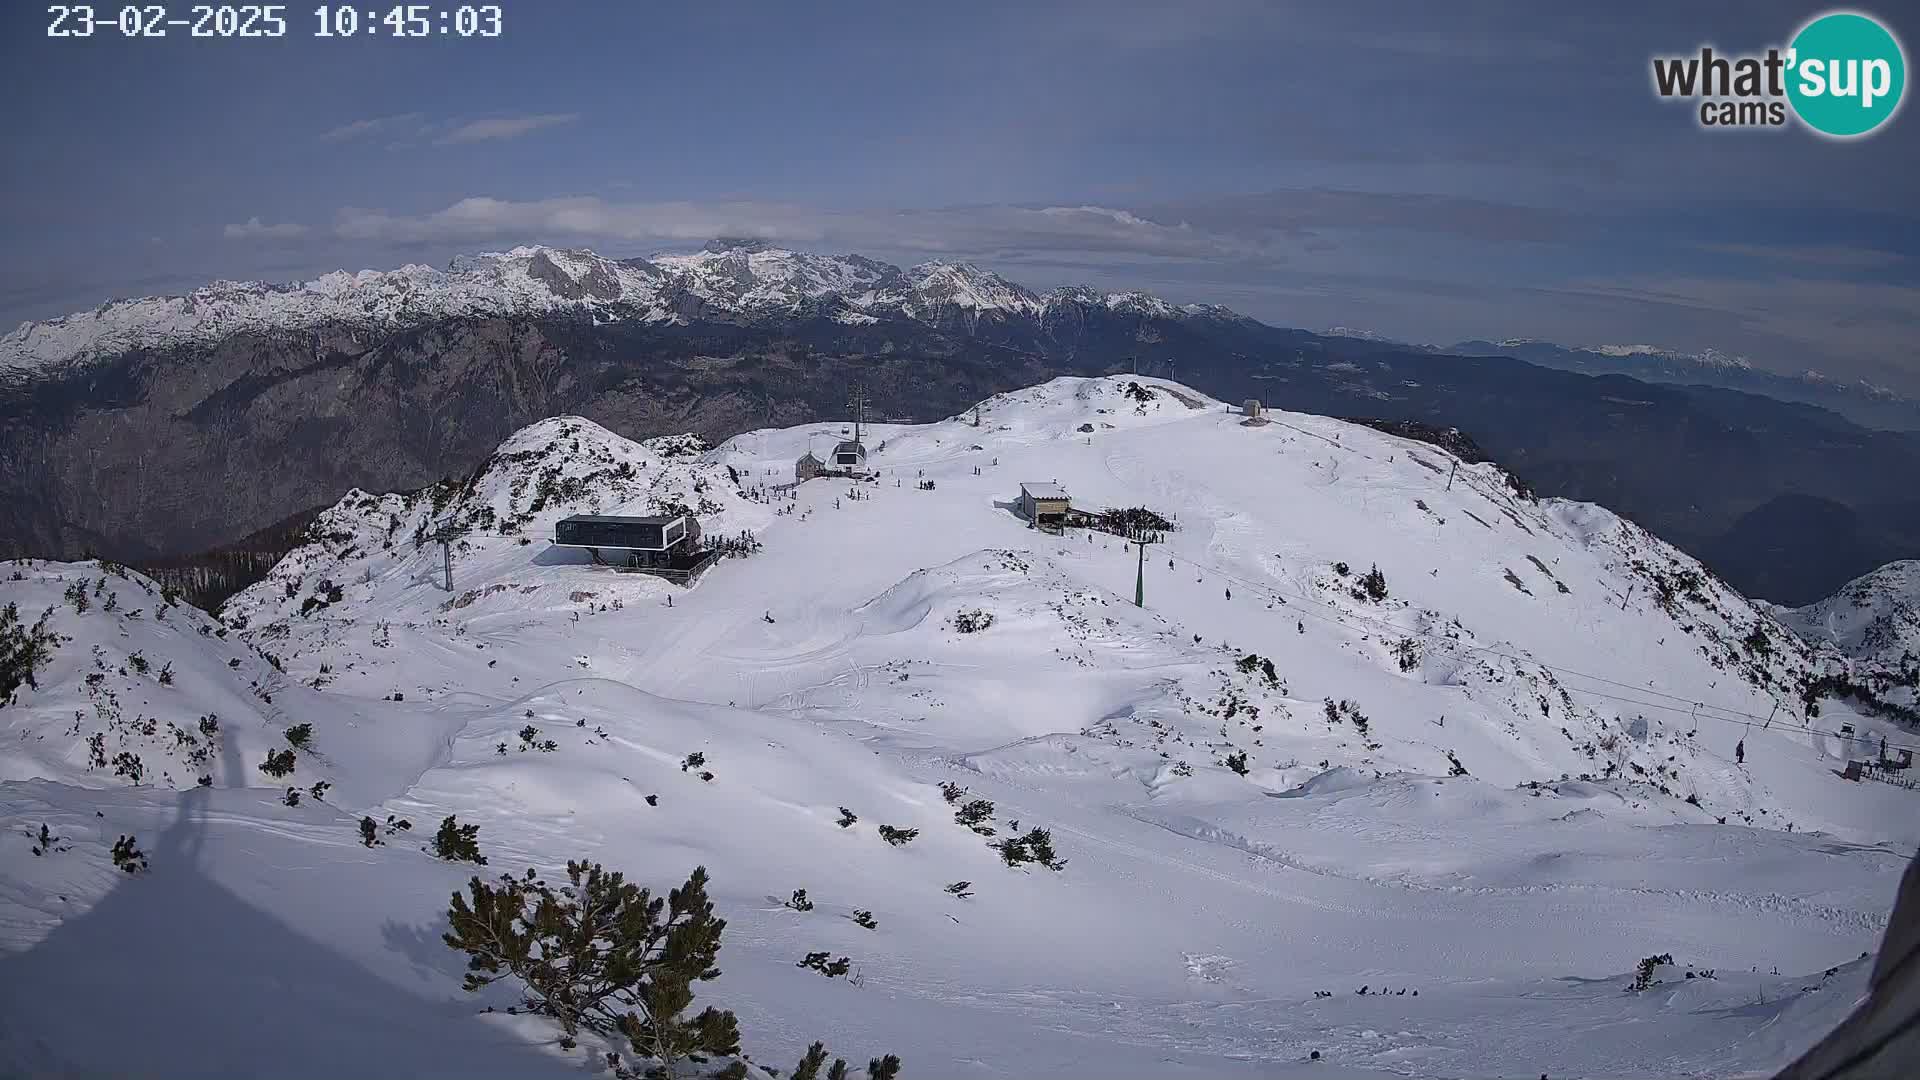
column 663, row 545
column 848, row 458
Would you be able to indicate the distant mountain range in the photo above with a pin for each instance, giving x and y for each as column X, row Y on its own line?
column 1863, row 402
column 1859, row 400
column 162, row 427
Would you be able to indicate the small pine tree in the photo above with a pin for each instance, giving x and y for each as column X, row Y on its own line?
column 863, row 917
column 847, row 818
column 603, row 954
column 299, row 736
column 292, row 797
column 961, row 889
column 1036, row 846
column 1373, row 585
column 799, row 902
column 883, row 1068
column 694, row 760
column 1237, row 761
column 951, row 792
column 1643, row 976
column 974, row 816
column 809, row 1067
column 369, row 832
column 279, row 764
column 897, row 837
column 166, row 674
column 455, row 842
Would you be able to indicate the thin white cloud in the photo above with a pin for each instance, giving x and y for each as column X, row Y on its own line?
column 505, row 127
column 399, row 124
column 255, row 229
column 1836, row 257
column 996, row 231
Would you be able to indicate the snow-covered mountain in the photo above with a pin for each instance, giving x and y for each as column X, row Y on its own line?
column 1875, row 617
column 1373, row 730
column 1708, row 357
column 729, row 278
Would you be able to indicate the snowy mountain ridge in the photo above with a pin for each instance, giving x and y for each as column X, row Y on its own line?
column 726, row 279
column 1708, row 357
column 1874, row 617
column 1357, row 741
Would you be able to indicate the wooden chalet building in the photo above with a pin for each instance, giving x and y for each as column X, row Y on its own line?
column 1045, row 504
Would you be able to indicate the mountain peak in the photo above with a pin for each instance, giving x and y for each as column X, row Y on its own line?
column 721, row 245
column 729, row 275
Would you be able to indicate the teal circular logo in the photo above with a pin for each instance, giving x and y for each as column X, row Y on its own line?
column 1846, row 74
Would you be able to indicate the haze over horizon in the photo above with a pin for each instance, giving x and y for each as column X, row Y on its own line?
column 1486, row 171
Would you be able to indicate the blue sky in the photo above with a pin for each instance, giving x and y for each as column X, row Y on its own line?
column 1434, row 172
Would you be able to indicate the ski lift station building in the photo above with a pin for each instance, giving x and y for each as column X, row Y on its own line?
column 658, row 540
column 1044, row 503
column 850, row 454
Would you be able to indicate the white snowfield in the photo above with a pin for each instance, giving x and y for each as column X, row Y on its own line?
column 1482, row 797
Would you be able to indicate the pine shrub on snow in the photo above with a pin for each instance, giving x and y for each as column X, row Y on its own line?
column 603, row 954
column 1035, row 846
column 455, row 842
column 974, row 815
column 1643, row 975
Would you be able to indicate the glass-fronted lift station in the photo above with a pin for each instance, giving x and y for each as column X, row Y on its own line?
column 624, row 540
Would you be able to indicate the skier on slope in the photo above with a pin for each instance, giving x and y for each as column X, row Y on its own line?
column 1740, row 752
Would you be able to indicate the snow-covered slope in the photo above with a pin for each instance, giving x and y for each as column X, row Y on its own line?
column 1494, row 776
column 726, row 279
column 1873, row 617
